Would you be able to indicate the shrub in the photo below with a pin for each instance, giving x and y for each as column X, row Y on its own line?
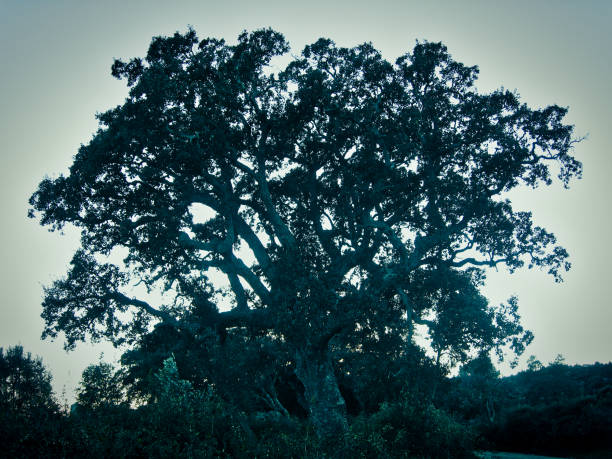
column 572, row 426
column 411, row 427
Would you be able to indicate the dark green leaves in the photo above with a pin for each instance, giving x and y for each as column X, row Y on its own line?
column 85, row 302
column 343, row 191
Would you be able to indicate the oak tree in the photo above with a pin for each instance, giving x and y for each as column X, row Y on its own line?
column 347, row 199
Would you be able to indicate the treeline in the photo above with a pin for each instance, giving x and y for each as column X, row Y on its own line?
column 556, row 409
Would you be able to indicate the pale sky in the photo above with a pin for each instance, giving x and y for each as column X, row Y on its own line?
column 55, row 75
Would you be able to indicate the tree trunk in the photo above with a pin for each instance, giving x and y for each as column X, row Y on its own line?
column 326, row 406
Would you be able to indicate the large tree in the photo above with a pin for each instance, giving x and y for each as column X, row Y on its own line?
column 347, row 199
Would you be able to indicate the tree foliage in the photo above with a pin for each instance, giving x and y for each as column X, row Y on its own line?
column 100, row 386
column 31, row 423
column 347, row 198
column 25, row 383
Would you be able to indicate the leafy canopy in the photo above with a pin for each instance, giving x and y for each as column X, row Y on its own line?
column 25, row 382
column 347, row 197
column 99, row 387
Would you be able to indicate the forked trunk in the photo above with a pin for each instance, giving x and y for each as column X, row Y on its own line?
column 326, row 405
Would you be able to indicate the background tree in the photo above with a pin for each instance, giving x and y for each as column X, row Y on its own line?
column 31, row 422
column 100, row 386
column 479, row 388
column 347, row 198
column 25, row 383
column 533, row 364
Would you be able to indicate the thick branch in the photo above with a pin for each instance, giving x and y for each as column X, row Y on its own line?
column 282, row 231
column 123, row 299
column 254, row 243
column 253, row 280
column 243, row 229
column 258, row 318
column 324, row 339
column 394, row 239
column 474, row 262
column 409, row 311
column 241, row 298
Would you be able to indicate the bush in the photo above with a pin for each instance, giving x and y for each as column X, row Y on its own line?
column 411, row 427
column 31, row 424
column 574, row 426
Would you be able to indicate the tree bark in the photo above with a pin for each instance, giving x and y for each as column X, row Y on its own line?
column 326, row 406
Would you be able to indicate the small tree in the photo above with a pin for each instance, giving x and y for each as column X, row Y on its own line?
column 100, row 387
column 31, row 421
column 559, row 360
column 346, row 198
column 25, row 383
column 533, row 364
column 481, row 385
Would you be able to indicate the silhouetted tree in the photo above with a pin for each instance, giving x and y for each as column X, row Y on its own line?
column 533, row 364
column 31, row 422
column 556, row 410
column 479, row 381
column 25, row 383
column 346, row 198
column 100, row 386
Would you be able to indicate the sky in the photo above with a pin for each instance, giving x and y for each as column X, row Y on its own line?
column 55, row 76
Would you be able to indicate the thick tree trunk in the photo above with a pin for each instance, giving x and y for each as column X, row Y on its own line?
column 326, row 406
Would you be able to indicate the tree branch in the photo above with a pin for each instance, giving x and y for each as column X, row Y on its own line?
column 123, row 299
column 473, row 261
column 241, row 298
column 254, row 243
column 245, row 272
column 282, row 231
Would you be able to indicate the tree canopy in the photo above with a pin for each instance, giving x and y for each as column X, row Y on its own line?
column 25, row 383
column 99, row 386
column 346, row 200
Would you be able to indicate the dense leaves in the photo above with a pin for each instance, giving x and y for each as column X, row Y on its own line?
column 100, row 387
column 24, row 381
column 558, row 410
column 345, row 198
column 30, row 421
